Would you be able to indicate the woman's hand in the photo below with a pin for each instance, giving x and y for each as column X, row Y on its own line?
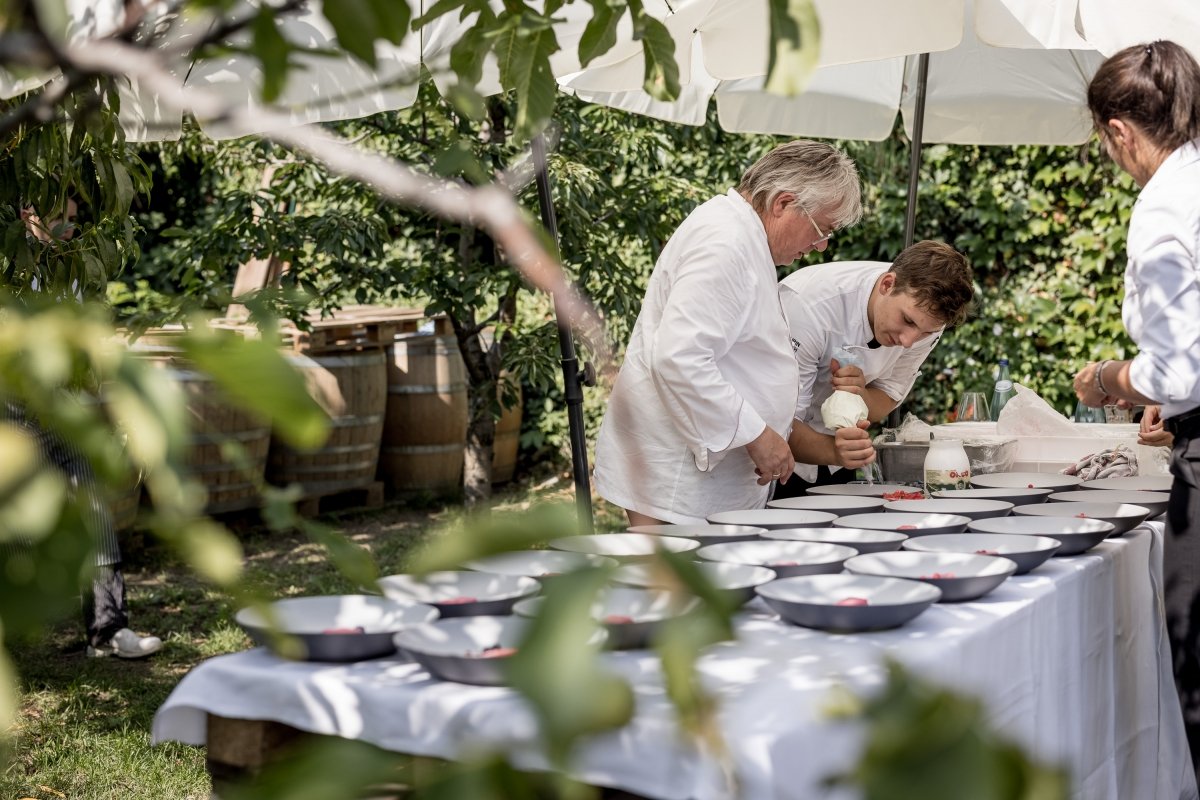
column 1087, row 390
column 847, row 379
column 1152, row 432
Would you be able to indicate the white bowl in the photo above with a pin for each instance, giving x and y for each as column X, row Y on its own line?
column 908, row 524
column 838, row 504
column 1026, row 480
column 1155, row 502
column 1134, row 483
column 538, row 563
column 704, row 534
column 785, row 558
column 630, row 616
column 625, row 547
column 1028, row 552
column 1077, row 535
column 960, row 576
column 458, row 649
column 860, row 489
column 1124, row 517
column 820, row 601
column 338, row 627
column 738, row 580
column 461, row 593
column 1017, row 497
column 973, row 509
column 773, row 518
column 861, row 539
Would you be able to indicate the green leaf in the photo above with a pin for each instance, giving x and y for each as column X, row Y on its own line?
column 600, row 33
column 794, row 47
column 661, row 78
column 351, row 560
column 272, row 50
column 253, row 373
column 354, row 23
column 498, row 533
column 211, row 550
column 459, row 159
column 523, row 51
column 392, row 18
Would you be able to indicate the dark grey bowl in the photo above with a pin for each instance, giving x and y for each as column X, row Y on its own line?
column 1134, row 483
column 773, row 518
column 1018, row 497
column 972, row 509
column 861, row 539
column 1154, row 502
column 787, row 559
column 861, row 489
column 1076, row 535
column 1026, row 480
column 308, row 619
column 908, row 524
column 812, row 601
column 839, row 504
column 704, row 534
column 1027, row 552
column 490, row 594
column 1124, row 517
column 646, row 610
column 973, row 576
column 736, row 580
column 453, row 649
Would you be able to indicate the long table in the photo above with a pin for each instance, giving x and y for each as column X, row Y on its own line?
column 1071, row 661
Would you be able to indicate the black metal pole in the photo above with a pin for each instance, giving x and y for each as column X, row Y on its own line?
column 572, row 377
column 914, row 179
column 914, row 156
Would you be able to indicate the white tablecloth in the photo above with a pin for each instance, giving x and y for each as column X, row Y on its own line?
column 1071, row 660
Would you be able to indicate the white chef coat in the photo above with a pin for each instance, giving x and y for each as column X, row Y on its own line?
column 708, row 368
column 826, row 307
column 1161, row 309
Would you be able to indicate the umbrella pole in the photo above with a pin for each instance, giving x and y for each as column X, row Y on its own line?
column 914, row 156
column 573, row 378
column 914, row 176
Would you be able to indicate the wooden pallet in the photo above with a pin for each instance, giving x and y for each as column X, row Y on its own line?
column 367, row 496
column 359, row 328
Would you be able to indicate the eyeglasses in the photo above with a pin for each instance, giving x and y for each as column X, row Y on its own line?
column 823, row 237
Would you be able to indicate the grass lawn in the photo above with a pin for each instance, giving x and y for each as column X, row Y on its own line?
column 83, row 730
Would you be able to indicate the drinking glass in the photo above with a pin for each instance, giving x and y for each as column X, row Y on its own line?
column 1085, row 413
column 973, row 407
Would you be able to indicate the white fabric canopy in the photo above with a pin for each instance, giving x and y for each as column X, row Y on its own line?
column 977, row 93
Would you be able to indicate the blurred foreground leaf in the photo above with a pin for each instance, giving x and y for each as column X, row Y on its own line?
column 477, row 537
column 928, row 743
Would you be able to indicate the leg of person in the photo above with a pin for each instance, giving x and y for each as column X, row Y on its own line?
column 1181, row 581
column 636, row 518
column 797, row 486
column 105, row 615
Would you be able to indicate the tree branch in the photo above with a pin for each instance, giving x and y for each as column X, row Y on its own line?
column 487, row 207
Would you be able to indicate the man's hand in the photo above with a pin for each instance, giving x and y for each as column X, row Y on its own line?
column 853, row 446
column 1151, row 431
column 1087, row 390
column 847, row 379
column 771, row 456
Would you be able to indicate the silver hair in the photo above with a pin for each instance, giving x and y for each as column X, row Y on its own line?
column 821, row 176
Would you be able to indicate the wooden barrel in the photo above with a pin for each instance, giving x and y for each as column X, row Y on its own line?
column 508, row 441
column 425, row 428
column 351, row 387
column 214, row 422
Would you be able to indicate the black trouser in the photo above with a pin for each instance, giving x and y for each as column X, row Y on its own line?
column 1181, row 572
column 796, row 486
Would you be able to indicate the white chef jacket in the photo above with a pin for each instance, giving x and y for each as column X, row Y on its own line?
column 826, row 307
column 1161, row 309
column 708, row 368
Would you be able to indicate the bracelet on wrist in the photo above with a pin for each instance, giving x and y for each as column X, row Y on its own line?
column 1100, row 377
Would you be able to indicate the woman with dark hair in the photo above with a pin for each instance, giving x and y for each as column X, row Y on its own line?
column 1145, row 104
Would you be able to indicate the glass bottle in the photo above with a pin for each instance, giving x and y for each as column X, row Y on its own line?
column 1003, row 389
column 946, row 466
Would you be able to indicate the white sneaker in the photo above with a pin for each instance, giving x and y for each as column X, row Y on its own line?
column 127, row 644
